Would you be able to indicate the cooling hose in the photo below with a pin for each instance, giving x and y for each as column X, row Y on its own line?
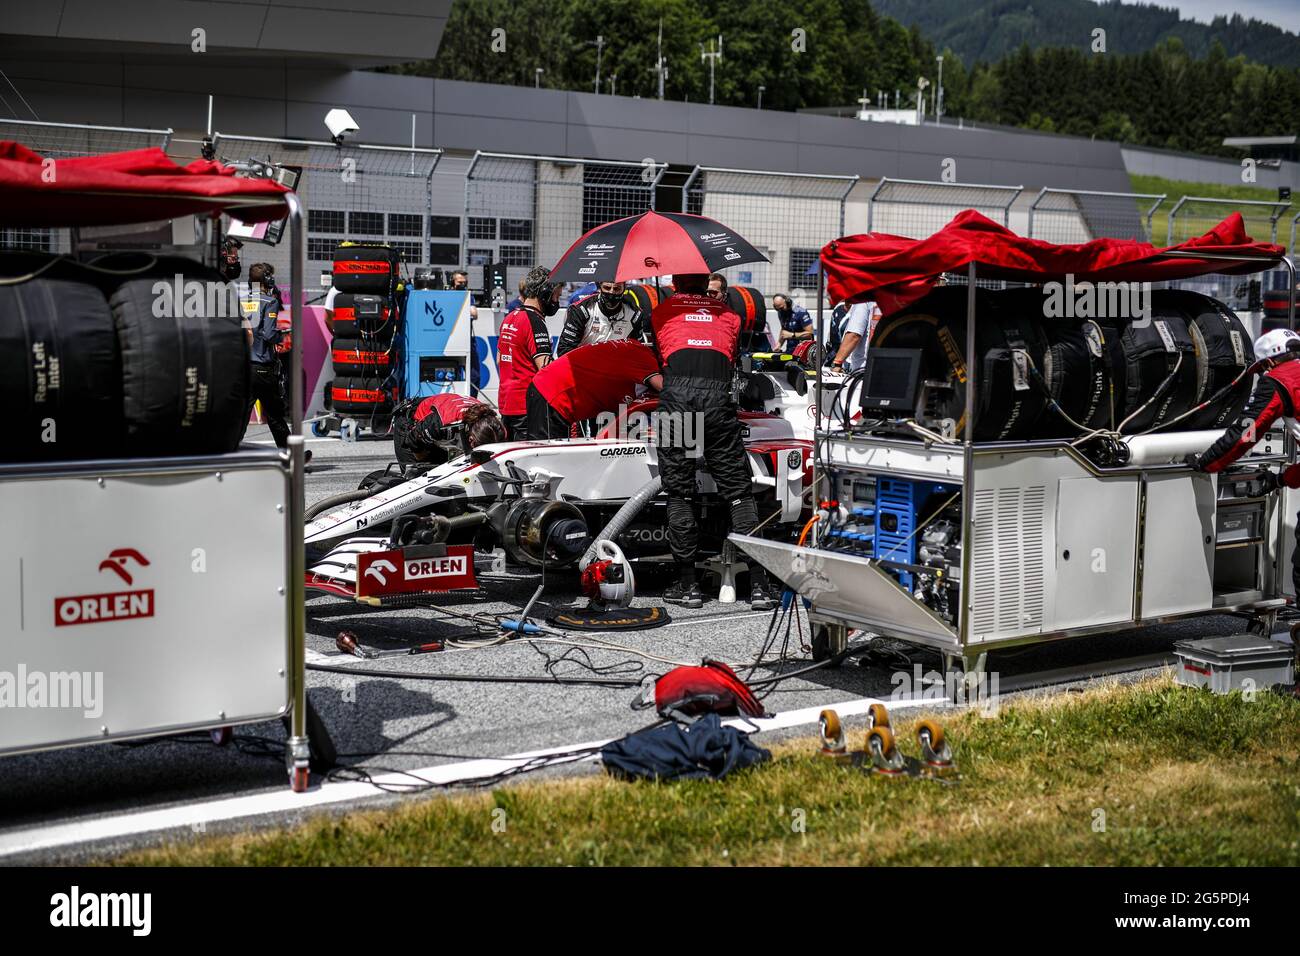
column 618, row 524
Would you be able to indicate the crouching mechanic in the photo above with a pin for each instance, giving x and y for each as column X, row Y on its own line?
column 697, row 339
column 1276, row 395
column 603, row 317
column 435, row 429
column 587, row 382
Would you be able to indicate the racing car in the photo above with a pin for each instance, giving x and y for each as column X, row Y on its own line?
column 539, row 505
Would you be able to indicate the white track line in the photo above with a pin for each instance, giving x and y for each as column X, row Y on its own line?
column 196, row 816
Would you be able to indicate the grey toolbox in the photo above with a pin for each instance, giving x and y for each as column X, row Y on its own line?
column 1225, row 664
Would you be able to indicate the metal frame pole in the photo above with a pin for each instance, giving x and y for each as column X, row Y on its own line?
column 298, row 746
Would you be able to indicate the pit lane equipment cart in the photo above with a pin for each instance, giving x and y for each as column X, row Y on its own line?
column 174, row 585
column 934, row 533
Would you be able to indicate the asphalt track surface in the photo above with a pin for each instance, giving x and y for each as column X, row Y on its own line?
column 89, row 803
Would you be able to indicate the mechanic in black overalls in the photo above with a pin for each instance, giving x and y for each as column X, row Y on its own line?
column 697, row 338
column 267, row 379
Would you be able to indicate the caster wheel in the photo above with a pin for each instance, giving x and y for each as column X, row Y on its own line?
column 320, row 428
column 832, row 733
column 299, row 779
column 348, row 430
column 929, row 733
column 877, row 716
column 221, row 735
column 880, row 742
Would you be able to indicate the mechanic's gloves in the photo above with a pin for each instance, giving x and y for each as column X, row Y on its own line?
column 1193, row 462
column 1268, row 482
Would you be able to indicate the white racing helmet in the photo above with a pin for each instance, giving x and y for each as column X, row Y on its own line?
column 1270, row 345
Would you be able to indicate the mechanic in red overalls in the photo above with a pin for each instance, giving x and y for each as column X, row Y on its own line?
column 1276, row 395
column 523, row 347
column 436, row 428
column 697, row 338
column 586, row 382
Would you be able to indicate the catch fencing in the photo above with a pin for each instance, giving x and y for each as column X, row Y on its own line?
column 524, row 210
column 1079, row 215
column 786, row 216
column 61, row 141
column 352, row 191
column 917, row 208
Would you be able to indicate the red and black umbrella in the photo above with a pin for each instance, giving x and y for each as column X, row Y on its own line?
column 653, row 244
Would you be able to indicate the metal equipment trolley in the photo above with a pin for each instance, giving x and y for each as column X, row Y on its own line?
column 1051, row 544
column 203, row 627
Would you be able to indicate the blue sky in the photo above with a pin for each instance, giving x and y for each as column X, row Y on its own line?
column 1284, row 13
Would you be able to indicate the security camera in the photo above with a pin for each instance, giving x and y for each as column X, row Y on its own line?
column 340, row 123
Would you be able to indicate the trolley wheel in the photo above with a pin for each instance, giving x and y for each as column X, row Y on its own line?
column 299, row 779
column 221, row 735
column 931, row 732
column 831, row 730
column 880, row 740
column 320, row 427
column 349, row 430
column 877, row 716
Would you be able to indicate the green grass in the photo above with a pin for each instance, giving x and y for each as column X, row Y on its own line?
column 1183, row 778
column 1198, row 218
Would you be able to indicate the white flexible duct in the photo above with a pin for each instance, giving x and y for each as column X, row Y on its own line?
column 1170, row 448
column 631, row 508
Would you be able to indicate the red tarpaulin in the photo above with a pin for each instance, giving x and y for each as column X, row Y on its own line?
column 896, row 271
column 140, row 185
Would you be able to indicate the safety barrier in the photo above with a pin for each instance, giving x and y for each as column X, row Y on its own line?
column 525, row 210
column 353, row 191
column 786, row 216
column 918, row 208
column 1078, row 215
column 63, row 140
column 1193, row 215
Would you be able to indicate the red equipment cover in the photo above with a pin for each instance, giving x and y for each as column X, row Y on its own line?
column 405, row 571
column 712, row 688
column 138, row 185
column 896, row 271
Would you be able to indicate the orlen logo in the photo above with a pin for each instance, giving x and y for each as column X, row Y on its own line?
column 113, row 605
column 452, row 564
column 697, row 317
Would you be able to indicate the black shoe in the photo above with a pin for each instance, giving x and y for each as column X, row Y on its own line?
column 684, row 595
column 761, row 598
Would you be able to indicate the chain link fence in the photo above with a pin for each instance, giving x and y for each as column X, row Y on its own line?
column 918, row 209
column 523, row 210
column 65, row 140
column 1192, row 216
column 786, row 216
column 1078, row 215
column 355, row 191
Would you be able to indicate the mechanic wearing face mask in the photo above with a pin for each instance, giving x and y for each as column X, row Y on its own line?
column 267, row 381
column 603, row 317
column 697, row 340
column 796, row 323
column 1276, row 395
column 523, row 347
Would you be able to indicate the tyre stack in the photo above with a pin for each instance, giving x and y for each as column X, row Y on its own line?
column 131, row 355
column 1040, row 375
column 366, row 320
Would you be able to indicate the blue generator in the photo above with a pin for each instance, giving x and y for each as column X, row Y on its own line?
column 899, row 512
